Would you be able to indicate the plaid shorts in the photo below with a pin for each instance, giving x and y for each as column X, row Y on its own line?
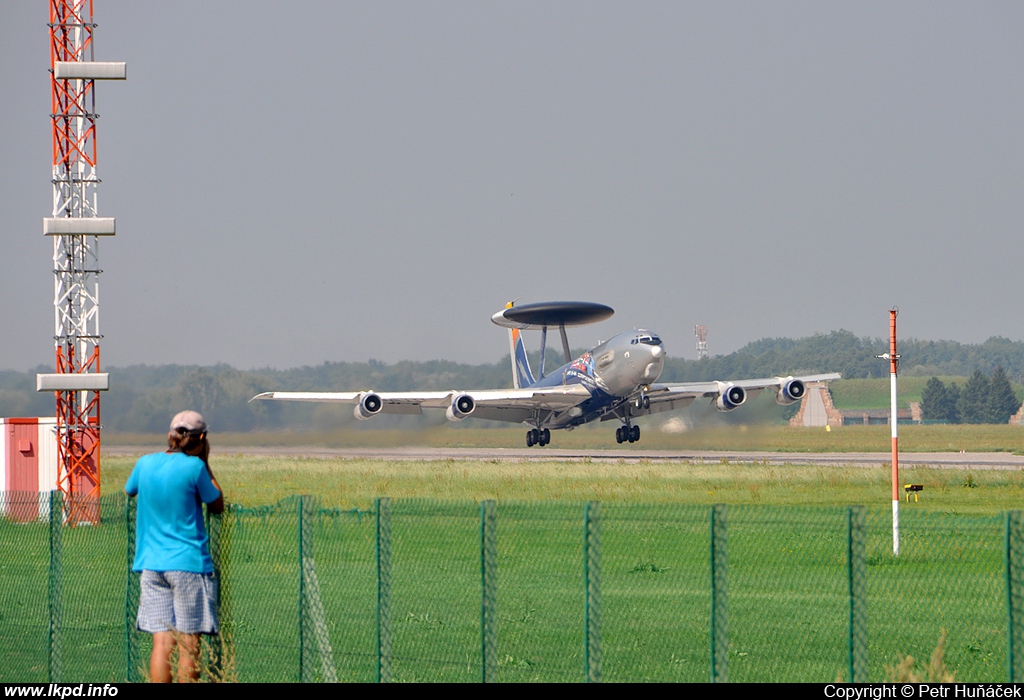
column 178, row 600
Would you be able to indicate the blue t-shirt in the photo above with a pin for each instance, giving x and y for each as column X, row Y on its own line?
column 170, row 534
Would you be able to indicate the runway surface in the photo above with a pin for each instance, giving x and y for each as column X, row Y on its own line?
column 942, row 460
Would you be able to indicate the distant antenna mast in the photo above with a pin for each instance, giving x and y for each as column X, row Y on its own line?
column 701, row 331
column 76, row 227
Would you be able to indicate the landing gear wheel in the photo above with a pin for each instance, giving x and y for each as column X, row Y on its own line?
column 545, row 437
column 647, row 402
column 619, row 437
column 634, row 434
column 535, row 437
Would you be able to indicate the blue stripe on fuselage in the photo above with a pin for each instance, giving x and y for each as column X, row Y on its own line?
column 594, row 407
column 553, row 379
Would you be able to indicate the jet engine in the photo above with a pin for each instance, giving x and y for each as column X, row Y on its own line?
column 791, row 391
column 730, row 397
column 369, row 405
column 460, row 407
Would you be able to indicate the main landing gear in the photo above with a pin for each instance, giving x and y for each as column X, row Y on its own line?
column 627, row 433
column 538, row 437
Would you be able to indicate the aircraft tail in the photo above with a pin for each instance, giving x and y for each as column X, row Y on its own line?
column 522, row 376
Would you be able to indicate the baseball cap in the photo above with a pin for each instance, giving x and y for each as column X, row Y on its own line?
column 190, row 421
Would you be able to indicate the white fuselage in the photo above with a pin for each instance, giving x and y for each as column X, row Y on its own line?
column 628, row 361
column 618, row 367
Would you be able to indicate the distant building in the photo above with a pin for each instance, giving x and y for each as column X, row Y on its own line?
column 816, row 408
column 817, row 411
column 28, row 460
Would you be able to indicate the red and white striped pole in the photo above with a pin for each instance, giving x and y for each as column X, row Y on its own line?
column 894, row 361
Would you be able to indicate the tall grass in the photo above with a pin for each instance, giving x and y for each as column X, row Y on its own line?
column 851, row 438
column 354, row 483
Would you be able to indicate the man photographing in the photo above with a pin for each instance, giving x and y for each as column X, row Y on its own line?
column 178, row 593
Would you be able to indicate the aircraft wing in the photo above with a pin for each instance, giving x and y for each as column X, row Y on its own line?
column 513, row 405
column 668, row 397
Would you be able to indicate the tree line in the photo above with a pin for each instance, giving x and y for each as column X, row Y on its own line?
column 982, row 399
column 142, row 397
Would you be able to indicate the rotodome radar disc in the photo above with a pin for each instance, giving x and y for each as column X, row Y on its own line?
column 552, row 314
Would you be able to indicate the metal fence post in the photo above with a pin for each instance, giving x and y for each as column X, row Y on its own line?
column 215, row 525
column 56, row 585
column 383, row 508
column 719, row 597
column 306, row 640
column 489, row 590
column 592, row 581
column 1014, row 593
column 132, row 655
column 857, row 571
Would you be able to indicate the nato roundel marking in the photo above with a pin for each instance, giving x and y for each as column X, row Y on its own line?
column 553, row 314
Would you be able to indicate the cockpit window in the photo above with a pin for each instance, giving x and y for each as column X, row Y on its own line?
column 649, row 340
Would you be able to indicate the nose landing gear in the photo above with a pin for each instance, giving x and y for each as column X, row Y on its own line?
column 538, row 437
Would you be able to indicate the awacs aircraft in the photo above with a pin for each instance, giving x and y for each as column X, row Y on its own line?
column 617, row 380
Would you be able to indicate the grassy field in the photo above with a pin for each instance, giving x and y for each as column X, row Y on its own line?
column 774, row 438
column 788, row 596
column 354, row 483
column 787, row 593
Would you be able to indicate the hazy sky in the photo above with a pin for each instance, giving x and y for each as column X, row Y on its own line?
column 304, row 181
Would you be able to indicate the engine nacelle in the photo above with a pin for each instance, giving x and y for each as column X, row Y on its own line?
column 461, row 406
column 731, row 397
column 369, row 405
column 791, row 391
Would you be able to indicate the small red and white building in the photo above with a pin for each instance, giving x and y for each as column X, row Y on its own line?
column 28, row 460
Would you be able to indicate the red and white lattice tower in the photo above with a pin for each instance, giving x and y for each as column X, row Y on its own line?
column 76, row 227
column 701, row 331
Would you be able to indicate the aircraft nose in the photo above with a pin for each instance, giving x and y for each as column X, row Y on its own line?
column 654, row 366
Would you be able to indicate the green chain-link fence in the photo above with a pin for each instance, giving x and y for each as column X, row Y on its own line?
column 417, row 590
